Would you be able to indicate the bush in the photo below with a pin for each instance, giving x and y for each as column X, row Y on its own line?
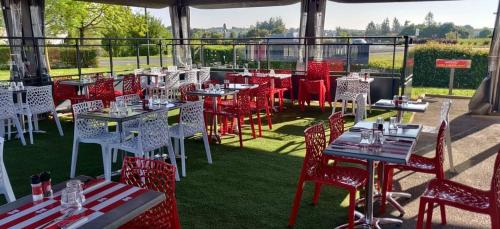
column 4, row 58
column 66, row 57
column 426, row 74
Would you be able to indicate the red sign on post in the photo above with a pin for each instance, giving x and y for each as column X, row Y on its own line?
column 445, row 63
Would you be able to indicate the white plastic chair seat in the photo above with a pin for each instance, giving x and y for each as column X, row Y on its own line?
column 175, row 131
column 107, row 137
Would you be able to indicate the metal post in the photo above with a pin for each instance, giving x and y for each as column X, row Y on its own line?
column 450, row 85
column 110, row 56
column 161, row 54
column 267, row 54
column 234, row 55
column 403, row 70
column 348, row 55
column 147, row 33
column 202, row 54
column 137, row 55
column 78, row 64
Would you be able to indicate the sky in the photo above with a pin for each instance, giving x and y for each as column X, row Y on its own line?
column 478, row 13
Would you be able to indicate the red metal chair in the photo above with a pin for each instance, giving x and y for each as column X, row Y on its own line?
column 158, row 176
column 132, row 85
column 62, row 92
column 283, row 85
column 103, row 89
column 184, row 89
column 336, row 123
column 317, row 82
column 262, row 103
column 417, row 163
column 234, row 77
column 316, row 170
column 446, row 192
column 238, row 111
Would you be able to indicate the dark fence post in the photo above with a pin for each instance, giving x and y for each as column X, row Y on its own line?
column 202, row 54
column 110, row 56
column 267, row 54
column 348, row 55
column 161, row 54
column 403, row 70
column 234, row 56
column 137, row 55
column 78, row 64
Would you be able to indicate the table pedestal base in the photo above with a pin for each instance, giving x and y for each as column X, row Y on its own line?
column 362, row 222
column 391, row 199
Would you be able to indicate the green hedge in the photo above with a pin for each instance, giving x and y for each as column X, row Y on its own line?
column 426, row 74
column 66, row 57
column 59, row 57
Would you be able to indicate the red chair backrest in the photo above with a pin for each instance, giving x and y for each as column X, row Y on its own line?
column 231, row 76
column 336, row 122
column 184, row 89
column 129, row 84
column 440, row 142
column 102, row 86
column 243, row 101
column 315, row 145
column 495, row 186
column 153, row 175
column 317, row 70
column 62, row 92
column 259, row 80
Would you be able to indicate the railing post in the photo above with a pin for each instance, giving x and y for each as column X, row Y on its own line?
column 403, row 70
column 110, row 46
column 78, row 64
column 161, row 54
column 348, row 54
column 267, row 54
column 137, row 55
column 234, row 55
column 202, row 54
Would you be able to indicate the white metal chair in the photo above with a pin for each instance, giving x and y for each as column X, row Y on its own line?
column 360, row 108
column 364, row 88
column 153, row 134
column 346, row 91
column 5, row 187
column 92, row 131
column 191, row 76
column 8, row 113
column 156, row 70
column 131, row 98
column 172, row 68
column 172, row 82
column 39, row 101
column 191, row 122
column 204, row 75
column 444, row 116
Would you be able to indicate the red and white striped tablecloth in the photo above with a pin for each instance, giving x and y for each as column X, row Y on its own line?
column 101, row 198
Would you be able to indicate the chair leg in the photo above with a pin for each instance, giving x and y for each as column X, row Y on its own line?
column 250, row 116
column 207, row 147
column 20, row 130
column 281, row 100
column 268, row 115
column 106, row 161
column 442, row 208
column 296, row 203
column 176, row 146
column 421, row 212
column 259, row 123
column 9, row 129
column 183, row 157
column 385, row 188
column 430, row 209
column 35, row 122
column 74, row 157
column 30, row 128
column 171, row 155
column 495, row 221
column 240, row 132
column 58, row 123
column 352, row 206
column 9, row 194
column 317, row 191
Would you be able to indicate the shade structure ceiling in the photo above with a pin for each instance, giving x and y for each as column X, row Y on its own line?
column 221, row 4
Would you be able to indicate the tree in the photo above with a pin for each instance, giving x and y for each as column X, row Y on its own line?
column 371, row 29
column 266, row 28
column 407, row 23
column 484, row 33
column 78, row 18
column 396, row 26
column 385, row 27
column 408, row 30
column 429, row 19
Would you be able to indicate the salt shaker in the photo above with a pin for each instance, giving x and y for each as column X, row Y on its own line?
column 46, row 184
column 36, row 188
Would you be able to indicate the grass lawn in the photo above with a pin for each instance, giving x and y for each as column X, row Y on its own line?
column 417, row 91
column 250, row 187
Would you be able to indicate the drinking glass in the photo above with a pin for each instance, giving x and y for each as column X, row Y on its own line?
column 217, row 87
column 210, row 87
column 366, row 137
column 393, row 121
column 70, row 200
column 378, row 137
column 78, row 185
column 226, row 83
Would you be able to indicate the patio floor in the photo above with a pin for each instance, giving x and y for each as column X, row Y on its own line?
column 476, row 139
column 253, row 187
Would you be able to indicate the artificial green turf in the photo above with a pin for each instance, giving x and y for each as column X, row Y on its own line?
column 250, row 187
